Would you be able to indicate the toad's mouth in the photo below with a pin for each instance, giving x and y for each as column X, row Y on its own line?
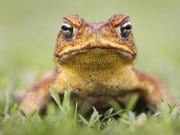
column 96, row 52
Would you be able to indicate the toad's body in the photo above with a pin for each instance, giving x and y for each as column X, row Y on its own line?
column 95, row 62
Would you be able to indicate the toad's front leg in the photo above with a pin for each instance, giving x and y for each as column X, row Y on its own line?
column 37, row 96
column 154, row 90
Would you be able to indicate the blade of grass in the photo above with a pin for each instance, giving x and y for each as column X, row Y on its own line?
column 56, row 98
column 131, row 103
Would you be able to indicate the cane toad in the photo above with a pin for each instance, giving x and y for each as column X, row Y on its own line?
column 95, row 62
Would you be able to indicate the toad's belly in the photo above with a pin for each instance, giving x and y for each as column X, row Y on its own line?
column 98, row 83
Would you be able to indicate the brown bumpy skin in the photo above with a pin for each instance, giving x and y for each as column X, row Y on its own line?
column 96, row 65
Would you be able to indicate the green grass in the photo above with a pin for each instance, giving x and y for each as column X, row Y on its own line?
column 28, row 32
column 66, row 120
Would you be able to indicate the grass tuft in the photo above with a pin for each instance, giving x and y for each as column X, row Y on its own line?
column 65, row 119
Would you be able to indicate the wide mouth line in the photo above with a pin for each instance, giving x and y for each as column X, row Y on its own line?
column 71, row 53
column 119, row 50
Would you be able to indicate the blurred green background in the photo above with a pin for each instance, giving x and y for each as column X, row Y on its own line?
column 28, row 30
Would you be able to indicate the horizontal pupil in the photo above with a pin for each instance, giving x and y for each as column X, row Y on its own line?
column 66, row 28
column 128, row 27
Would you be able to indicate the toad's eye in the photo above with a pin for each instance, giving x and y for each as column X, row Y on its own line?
column 67, row 30
column 125, row 30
